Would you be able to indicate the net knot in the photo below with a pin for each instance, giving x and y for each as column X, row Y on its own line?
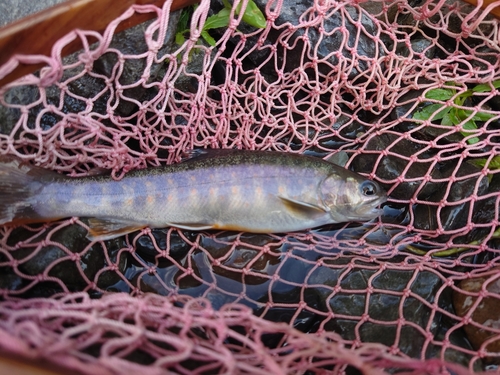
column 482, row 353
column 394, row 350
column 113, row 267
column 483, row 293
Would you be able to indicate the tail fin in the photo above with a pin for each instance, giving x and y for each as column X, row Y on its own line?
column 19, row 185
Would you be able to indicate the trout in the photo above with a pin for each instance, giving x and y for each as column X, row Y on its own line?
column 250, row 191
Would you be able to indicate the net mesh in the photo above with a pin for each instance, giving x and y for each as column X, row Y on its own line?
column 402, row 92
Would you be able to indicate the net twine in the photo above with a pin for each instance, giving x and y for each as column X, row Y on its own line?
column 351, row 99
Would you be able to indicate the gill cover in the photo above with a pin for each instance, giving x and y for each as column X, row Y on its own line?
column 337, row 192
column 351, row 197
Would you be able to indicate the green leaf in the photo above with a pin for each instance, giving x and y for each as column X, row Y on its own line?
column 472, row 140
column 220, row 19
column 427, row 113
column 205, row 35
column 179, row 38
column 252, row 16
column 447, row 120
column 469, row 125
column 465, row 114
column 454, row 117
column 440, row 94
column 183, row 19
column 479, row 116
column 461, row 114
column 182, row 25
column 493, row 164
column 486, row 87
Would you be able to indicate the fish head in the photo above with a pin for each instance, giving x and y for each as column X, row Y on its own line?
column 351, row 197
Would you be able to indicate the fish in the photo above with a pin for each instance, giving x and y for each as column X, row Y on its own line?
column 238, row 190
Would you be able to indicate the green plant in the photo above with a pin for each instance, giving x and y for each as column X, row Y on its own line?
column 252, row 16
column 451, row 115
column 494, row 163
column 454, row 250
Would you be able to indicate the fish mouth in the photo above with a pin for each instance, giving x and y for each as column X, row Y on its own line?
column 379, row 200
column 364, row 213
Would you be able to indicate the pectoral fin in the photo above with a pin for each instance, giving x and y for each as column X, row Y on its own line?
column 107, row 229
column 302, row 208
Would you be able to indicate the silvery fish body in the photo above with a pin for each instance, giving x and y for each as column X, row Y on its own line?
column 252, row 191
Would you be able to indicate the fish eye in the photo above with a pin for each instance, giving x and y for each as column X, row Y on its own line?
column 368, row 188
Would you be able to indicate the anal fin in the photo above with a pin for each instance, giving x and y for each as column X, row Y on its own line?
column 102, row 229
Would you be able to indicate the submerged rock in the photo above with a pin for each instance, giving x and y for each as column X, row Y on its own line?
column 67, row 259
column 452, row 215
column 382, row 305
column 484, row 318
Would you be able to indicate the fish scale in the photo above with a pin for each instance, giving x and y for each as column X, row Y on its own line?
column 254, row 191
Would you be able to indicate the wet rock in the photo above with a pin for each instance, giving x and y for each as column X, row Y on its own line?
column 484, row 209
column 170, row 240
column 352, row 300
column 484, row 57
column 304, row 321
column 97, row 259
column 452, row 216
column 88, row 86
column 9, row 280
column 67, row 257
column 460, row 348
column 65, row 241
column 421, row 47
column 130, row 41
column 23, row 95
column 292, row 46
column 393, row 166
column 404, row 109
column 236, row 271
column 484, row 317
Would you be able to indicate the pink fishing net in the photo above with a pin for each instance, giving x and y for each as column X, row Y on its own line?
column 403, row 92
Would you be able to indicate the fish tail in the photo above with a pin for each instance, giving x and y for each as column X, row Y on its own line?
column 20, row 183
